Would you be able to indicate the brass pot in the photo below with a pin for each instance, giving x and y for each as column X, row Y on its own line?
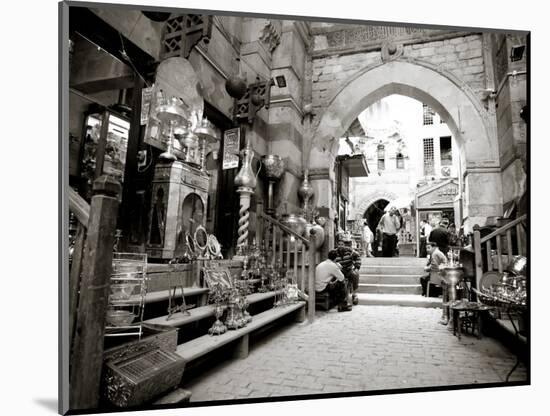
column 295, row 222
column 318, row 237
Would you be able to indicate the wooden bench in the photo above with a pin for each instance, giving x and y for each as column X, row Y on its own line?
column 200, row 346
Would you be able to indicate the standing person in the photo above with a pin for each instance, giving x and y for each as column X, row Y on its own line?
column 350, row 261
column 330, row 279
column 425, row 230
column 440, row 236
column 390, row 224
column 368, row 239
column 453, row 236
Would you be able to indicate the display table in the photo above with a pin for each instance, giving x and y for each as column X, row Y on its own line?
column 466, row 316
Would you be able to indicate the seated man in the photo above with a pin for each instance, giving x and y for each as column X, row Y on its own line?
column 350, row 261
column 330, row 279
column 435, row 259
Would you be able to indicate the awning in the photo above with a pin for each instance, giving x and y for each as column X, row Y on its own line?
column 356, row 165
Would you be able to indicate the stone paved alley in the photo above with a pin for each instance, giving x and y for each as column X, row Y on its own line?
column 370, row 348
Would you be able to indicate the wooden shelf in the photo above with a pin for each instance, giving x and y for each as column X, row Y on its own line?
column 201, row 312
column 161, row 295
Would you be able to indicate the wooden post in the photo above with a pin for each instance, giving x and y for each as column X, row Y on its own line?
column 477, row 254
column 499, row 253
column 303, row 275
column 518, row 237
column 296, row 260
column 509, row 245
column 311, row 283
column 74, row 277
column 274, row 244
column 87, row 355
column 489, row 253
column 288, row 239
column 281, row 247
column 259, row 224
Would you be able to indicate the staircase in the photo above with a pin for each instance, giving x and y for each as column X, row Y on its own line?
column 393, row 281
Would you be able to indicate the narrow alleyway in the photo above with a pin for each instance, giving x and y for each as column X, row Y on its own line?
column 370, row 348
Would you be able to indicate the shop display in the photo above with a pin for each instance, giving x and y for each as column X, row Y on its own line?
column 174, row 308
column 105, row 142
column 218, row 295
column 178, row 207
column 214, row 247
column 124, row 315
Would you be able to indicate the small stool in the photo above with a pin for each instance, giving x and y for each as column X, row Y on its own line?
column 322, row 301
column 467, row 316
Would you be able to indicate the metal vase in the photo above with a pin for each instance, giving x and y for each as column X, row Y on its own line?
column 306, row 191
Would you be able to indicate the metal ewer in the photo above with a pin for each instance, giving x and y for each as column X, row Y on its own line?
column 306, row 191
column 207, row 134
column 274, row 167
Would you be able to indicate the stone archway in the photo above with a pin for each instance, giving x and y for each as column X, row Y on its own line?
column 372, row 197
column 473, row 127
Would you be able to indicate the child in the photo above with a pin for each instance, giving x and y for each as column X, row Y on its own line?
column 435, row 259
column 426, row 278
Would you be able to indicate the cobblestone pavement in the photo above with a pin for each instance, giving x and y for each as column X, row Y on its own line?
column 369, row 348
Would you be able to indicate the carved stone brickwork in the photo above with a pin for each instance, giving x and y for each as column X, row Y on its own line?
column 182, row 33
column 357, row 36
column 270, row 36
column 391, row 50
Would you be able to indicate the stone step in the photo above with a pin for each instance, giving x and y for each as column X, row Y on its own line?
column 392, row 269
column 417, row 301
column 414, row 289
column 391, row 279
column 393, row 261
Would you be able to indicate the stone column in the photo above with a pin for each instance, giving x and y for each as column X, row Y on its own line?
column 482, row 195
column 286, row 126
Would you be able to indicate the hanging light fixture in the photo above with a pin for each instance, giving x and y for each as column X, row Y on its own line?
column 235, row 85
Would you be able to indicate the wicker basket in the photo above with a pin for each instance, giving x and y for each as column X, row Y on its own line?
column 154, row 336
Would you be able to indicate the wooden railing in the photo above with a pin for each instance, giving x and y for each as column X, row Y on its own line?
column 89, row 289
column 274, row 237
column 496, row 237
column 81, row 210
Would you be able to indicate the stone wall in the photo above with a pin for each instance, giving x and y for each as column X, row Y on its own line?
column 462, row 56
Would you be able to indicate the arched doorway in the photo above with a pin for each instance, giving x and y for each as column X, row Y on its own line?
column 470, row 123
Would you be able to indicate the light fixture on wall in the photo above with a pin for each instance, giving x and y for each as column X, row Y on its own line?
column 281, row 81
column 516, row 53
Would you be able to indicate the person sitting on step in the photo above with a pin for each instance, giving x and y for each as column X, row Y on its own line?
column 330, row 279
column 350, row 261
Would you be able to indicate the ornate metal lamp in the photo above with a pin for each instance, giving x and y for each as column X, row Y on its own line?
column 274, row 167
column 173, row 114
